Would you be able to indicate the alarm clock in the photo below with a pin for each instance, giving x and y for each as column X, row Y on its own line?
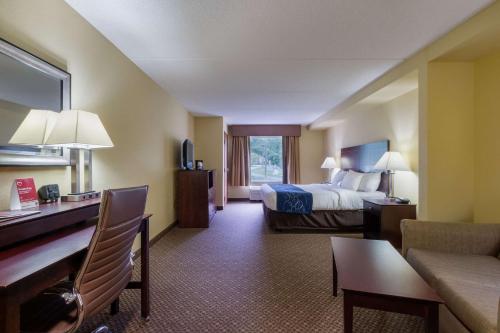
column 49, row 193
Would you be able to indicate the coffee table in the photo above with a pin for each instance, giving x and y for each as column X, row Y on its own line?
column 372, row 274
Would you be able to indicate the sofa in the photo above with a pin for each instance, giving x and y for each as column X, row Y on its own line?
column 461, row 261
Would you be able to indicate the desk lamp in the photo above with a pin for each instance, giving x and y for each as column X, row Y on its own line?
column 329, row 163
column 81, row 132
column 391, row 161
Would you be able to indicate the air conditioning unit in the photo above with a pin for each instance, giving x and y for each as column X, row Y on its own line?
column 255, row 193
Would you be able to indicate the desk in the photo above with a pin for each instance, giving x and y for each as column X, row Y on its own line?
column 38, row 251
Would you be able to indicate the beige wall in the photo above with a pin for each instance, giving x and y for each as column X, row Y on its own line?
column 208, row 146
column 396, row 120
column 312, row 154
column 450, row 141
column 487, row 139
column 145, row 123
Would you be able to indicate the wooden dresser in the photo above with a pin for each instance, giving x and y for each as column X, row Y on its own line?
column 195, row 198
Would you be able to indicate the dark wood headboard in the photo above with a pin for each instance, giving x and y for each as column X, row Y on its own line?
column 362, row 158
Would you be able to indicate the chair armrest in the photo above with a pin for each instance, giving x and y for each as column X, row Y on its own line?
column 461, row 238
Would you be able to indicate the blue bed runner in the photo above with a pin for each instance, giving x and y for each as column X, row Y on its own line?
column 292, row 199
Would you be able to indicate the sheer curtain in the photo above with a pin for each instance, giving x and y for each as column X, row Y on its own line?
column 240, row 166
column 291, row 159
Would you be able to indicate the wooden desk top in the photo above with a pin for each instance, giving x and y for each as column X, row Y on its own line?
column 52, row 217
column 375, row 267
column 48, row 209
column 21, row 261
column 387, row 202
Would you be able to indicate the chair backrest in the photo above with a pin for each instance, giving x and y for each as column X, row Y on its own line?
column 107, row 267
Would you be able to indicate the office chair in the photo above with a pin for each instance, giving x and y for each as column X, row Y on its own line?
column 105, row 272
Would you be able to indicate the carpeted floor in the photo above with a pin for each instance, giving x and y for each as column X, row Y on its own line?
column 239, row 276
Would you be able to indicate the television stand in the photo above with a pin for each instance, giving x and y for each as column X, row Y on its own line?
column 196, row 198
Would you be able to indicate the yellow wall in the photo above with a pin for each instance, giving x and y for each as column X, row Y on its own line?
column 312, row 154
column 450, row 141
column 457, row 110
column 396, row 120
column 145, row 123
column 208, row 146
column 487, row 139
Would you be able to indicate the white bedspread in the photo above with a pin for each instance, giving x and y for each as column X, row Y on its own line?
column 325, row 197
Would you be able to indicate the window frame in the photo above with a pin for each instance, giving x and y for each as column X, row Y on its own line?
column 258, row 183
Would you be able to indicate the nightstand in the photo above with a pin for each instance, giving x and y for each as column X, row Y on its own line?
column 382, row 218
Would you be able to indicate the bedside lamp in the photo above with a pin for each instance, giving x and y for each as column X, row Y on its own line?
column 80, row 131
column 35, row 128
column 391, row 161
column 329, row 163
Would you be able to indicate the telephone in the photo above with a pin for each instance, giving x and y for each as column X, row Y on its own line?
column 401, row 200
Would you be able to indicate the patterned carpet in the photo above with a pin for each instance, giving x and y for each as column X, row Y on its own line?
column 238, row 276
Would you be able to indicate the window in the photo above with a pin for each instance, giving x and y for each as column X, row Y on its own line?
column 266, row 159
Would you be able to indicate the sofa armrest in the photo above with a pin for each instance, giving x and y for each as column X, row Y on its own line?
column 462, row 238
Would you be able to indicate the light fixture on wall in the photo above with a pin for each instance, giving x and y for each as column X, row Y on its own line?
column 392, row 161
column 329, row 163
column 80, row 131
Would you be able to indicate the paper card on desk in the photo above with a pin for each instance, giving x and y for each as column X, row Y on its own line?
column 11, row 214
column 23, row 194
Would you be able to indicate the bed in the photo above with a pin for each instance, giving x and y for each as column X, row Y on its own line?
column 331, row 208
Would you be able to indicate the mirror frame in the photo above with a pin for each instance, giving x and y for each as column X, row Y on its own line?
column 15, row 155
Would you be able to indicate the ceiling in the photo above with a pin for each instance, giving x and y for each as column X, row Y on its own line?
column 267, row 62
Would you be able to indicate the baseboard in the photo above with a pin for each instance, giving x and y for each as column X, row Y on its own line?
column 238, row 199
column 156, row 238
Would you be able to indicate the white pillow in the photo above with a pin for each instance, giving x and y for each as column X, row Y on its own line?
column 351, row 180
column 370, row 182
column 337, row 177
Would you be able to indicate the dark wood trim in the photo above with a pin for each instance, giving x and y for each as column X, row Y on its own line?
column 220, row 207
column 238, row 199
column 265, row 130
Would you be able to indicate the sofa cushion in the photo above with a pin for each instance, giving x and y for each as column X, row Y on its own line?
column 432, row 266
column 476, row 305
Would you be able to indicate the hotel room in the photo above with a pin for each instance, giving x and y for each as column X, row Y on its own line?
column 249, row 166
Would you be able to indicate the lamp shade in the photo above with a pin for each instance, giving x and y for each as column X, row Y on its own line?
column 79, row 129
column 328, row 163
column 35, row 128
column 392, row 160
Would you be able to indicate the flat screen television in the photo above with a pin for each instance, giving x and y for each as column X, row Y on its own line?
column 187, row 155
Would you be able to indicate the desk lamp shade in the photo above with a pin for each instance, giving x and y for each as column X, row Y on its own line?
column 328, row 163
column 392, row 161
column 79, row 130
column 35, row 128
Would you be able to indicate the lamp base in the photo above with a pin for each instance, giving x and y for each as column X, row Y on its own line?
column 73, row 197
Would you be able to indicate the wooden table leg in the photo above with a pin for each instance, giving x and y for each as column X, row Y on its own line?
column 432, row 320
column 348, row 313
column 115, row 306
column 145, row 305
column 10, row 318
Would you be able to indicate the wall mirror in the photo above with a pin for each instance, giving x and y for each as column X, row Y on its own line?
column 28, row 82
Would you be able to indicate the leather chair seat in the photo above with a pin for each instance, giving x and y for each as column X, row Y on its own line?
column 48, row 312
